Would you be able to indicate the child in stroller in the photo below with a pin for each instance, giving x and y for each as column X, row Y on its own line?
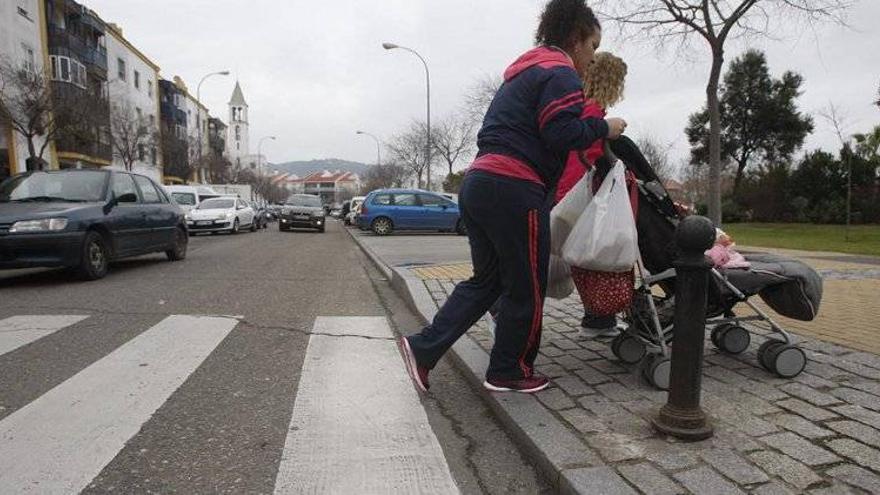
column 789, row 287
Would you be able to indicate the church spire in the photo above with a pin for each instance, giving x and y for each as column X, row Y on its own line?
column 237, row 96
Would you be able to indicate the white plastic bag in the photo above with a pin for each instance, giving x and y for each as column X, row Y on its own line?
column 604, row 238
column 566, row 213
column 559, row 282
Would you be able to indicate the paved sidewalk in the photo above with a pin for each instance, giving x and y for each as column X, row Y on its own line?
column 818, row 433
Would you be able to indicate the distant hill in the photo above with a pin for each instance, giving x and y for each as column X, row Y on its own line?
column 303, row 168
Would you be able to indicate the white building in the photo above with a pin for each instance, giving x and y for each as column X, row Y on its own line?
column 22, row 25
column 134, row 94
column 238, row 133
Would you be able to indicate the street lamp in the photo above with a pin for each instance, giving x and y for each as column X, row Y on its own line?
column 392, row 46
column 198, row 112
column 260, row 153
column 378, row 153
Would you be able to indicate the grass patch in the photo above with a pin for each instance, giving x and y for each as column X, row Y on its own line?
column 863, row 239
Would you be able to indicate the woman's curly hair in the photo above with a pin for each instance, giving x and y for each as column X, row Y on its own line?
column 604, row 80
column 564, row 22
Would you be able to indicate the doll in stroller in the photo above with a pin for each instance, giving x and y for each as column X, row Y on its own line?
column 789, row 287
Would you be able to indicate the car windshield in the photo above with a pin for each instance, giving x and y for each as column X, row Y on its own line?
column 304, row 201
column 216, row 203
column 68, row 186
column 184, row 198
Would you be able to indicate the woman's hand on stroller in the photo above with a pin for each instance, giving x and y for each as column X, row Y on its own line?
column 616, row 126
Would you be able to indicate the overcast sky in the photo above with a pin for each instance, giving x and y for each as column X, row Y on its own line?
column 314, row 72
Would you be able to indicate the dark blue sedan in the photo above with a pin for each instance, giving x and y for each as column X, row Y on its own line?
column 83, row 219
column 387, row 210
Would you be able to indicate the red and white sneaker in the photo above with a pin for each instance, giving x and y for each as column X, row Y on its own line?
column 419, row 374
column 530, row 385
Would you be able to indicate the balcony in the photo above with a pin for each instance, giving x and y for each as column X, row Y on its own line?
column 64, row 42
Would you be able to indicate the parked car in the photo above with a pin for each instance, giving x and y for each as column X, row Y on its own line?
column 188, row 197
column 302, row 211
column 223, row 214
column 84, row 219
column 261, row 215
column 387, row 210
column 335, row 210
column 351, row 217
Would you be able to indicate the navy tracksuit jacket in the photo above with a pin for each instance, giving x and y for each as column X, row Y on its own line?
column 532, row 124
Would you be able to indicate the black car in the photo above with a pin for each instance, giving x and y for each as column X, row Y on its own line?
column 84, row 219
column 302, row 211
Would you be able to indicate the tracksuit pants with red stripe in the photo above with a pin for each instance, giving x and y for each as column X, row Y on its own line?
column 507, row 220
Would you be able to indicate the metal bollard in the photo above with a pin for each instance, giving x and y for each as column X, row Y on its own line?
column 682, row 416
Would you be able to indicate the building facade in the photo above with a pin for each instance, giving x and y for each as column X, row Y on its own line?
column 238, row 138
column 22, row 31
column 332, row 187
column 78, row 68
column 173, row 133
column 134, row 99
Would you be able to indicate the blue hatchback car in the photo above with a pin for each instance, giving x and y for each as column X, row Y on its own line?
column 387, row 210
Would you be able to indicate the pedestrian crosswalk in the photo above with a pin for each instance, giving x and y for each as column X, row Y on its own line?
column 356, row 426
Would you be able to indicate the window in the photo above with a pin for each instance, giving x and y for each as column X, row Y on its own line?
column 64, row 73
column 150, row 88
column 147, row 189
column 124, row 189
column 431, row 200
column 405, row 200
column 29, row 61
column 120, row 69
column 382, row 199
column 137, row 80
column 237, row 133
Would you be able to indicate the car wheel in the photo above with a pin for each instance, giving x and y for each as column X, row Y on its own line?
column 254, row 225
column 235, row 227
column 383, row 226
column 181, row 241
column 95, row 257
column 460, row 228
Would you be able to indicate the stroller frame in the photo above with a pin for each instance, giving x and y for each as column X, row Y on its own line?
column 653, row 350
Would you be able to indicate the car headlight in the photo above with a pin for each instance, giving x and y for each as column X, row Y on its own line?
column 44, row 225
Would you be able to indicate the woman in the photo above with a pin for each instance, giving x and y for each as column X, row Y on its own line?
column 532, row 125
column 604, row 84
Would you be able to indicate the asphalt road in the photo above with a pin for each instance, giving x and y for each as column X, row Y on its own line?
column 222, row 423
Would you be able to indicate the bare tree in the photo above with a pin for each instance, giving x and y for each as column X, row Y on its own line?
column 657, row 154
column 878, row 97
column 130, row 134
column 453, row 139
column 837, row 120
column 384, row 176
column 27, row 103
column 478, row 98
column 407, row 149
column 715, row 21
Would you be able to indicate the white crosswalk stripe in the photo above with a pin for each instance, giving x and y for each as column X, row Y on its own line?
column 21, row 330
column 59, row 442
column 357, row 424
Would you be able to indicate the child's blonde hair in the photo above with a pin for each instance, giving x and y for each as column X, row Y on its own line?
column 605, row 79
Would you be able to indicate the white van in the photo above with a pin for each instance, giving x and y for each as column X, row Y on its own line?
column 188, row 197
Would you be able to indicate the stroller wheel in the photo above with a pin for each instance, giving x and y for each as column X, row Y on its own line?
column 732, row 339
column 628, row 349
column 786, row 360
column 764, row 353
column 656, row 370
column 717, row 331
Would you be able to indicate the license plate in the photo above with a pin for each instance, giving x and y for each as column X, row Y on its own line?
column 302, row 217
column 204, row 222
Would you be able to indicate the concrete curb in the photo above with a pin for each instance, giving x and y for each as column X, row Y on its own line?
column 561, row 456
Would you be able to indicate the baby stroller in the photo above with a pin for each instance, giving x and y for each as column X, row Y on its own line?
column 789, row 287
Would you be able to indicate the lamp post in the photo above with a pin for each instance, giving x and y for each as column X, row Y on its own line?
column 391, row 46
column 378, row 146
column 198, row 112
column 260, row 153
